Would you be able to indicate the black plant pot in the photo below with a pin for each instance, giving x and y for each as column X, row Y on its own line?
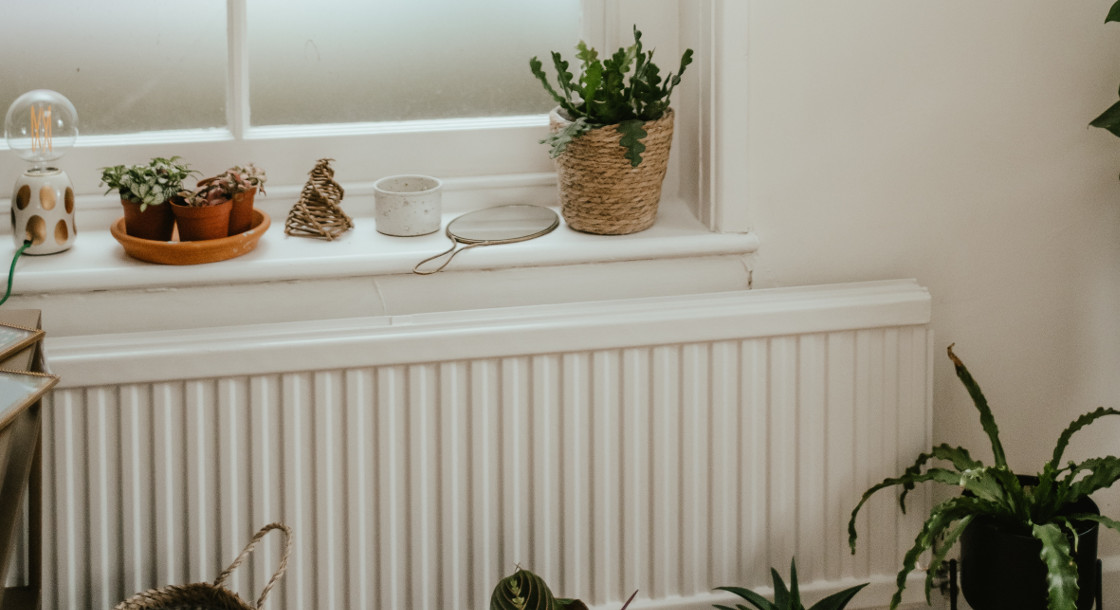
column 1001, row 569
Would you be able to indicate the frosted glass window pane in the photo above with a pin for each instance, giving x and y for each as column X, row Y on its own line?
column 354, row 60
column 127, row 65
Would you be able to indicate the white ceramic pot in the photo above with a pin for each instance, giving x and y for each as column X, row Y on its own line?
column 408, row 205
column 43, row 211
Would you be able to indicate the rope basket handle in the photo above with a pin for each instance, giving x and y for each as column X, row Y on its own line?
column 249, row 549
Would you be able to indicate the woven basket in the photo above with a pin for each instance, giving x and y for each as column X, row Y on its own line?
column 206, row 596
column 599, row 191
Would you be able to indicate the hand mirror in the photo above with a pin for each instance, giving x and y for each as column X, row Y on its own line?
column 504, row 224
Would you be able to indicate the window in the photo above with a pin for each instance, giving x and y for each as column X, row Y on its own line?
column 281, row 115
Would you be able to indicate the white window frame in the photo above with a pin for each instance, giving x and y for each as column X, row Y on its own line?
column 708, row 164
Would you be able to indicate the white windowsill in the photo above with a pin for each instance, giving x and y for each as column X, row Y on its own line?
column 97, row 262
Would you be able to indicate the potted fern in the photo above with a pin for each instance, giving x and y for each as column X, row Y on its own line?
column 790, row 599
column 144, row 189
column 1027, row 542
column 610, row 135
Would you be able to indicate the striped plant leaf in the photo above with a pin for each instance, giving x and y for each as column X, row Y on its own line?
column 522, row 590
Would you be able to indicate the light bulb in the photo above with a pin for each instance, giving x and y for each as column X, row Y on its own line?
column 41, row 126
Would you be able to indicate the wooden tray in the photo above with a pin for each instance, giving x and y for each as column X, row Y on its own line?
column 192, row 252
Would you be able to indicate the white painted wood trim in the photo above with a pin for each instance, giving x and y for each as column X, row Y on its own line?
column 728, row 181
column 237, row 87
column 490, row 333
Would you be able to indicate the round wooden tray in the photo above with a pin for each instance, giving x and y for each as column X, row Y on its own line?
column 192, row 252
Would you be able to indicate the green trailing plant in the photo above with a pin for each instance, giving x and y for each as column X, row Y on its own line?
column 995, row 492
column 150, row 184
column 625, row 89
column 1110, row 119
column 789, row 599
column 524, row 590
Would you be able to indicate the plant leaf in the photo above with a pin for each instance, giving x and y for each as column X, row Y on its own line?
column 958, row 456
column 1109, row 119
column 781, row 593
column 1113, row 13
column 986, row 420
column 632, row 133
column 537, row 69
column 940, row 517
column 565, row 78
column 1103, row 472
column 1061, row 576
column 909, row 478
column 755, row 599
column 939, row 552
column 1101, row 519
column 559, row 141
column 1074, row 426
column 837, row 601
column 794, row 591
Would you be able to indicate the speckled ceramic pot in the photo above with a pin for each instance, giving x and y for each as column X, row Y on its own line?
column 408, row 205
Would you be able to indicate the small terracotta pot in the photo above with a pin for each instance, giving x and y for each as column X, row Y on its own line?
column 241, row 216
column 156, row 222
column 202, row 222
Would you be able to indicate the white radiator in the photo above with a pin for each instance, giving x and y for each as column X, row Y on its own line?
column 669, row 445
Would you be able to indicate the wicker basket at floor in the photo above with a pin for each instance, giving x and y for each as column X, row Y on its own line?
column 207, row 596
column 600, row 192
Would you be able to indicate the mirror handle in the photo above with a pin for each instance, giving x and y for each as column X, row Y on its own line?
column 452, row 251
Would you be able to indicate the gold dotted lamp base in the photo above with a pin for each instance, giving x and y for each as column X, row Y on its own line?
column 43, row 211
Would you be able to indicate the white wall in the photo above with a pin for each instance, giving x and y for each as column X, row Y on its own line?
column 948, row 141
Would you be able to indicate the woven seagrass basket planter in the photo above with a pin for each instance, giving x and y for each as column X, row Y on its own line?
column 211, row 596
column 600, row 192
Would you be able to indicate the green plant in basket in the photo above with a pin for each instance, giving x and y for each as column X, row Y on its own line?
column 789, row 599
column 150, row 184
column 625, row 89
column 1042, row 507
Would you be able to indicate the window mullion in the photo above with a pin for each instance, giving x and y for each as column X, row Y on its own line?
column 595, row 21
column 237, row 87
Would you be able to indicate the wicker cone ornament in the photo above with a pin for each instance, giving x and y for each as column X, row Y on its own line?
column 317, row 213
column 215, row 596
column 600, row 192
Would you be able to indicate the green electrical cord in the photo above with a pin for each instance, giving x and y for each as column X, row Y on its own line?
column 12, row 269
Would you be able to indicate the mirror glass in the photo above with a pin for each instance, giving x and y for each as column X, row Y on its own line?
column 503, row 224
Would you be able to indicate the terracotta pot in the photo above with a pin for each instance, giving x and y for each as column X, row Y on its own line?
column 241, row 216
column 156, row 222
column 202, row 222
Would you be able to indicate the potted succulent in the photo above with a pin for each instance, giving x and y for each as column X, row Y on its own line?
column 144, row 189
column 203, row 213
column 790, row 599
column 1026, row 541
column 1110, row 119
column 610, row 135
column 220, row 205
column 242, row 184
column 524, row 590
